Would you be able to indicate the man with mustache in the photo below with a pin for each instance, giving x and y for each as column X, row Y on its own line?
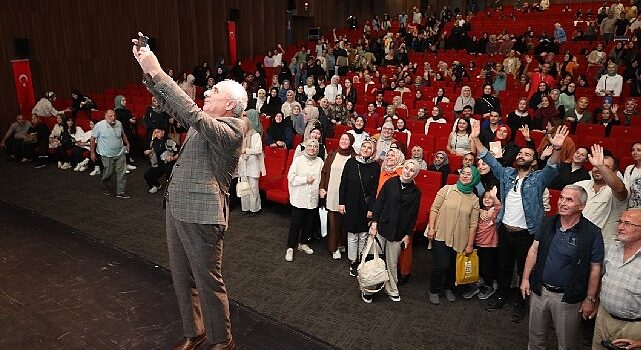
column 521, row 190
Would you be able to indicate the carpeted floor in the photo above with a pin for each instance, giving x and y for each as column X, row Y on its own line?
column 313, row 293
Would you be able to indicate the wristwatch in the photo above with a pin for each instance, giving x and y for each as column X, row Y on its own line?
column 590, row 299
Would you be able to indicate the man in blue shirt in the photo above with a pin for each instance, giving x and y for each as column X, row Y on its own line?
column 563, row 269
column 111, row 143
column 522, row 210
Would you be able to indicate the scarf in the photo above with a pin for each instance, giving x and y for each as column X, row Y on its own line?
column 369, row 159
column 446, row 160
column 387, row 125
column 254, row 119
column 507, row 137
column 349, row 150
column 399, row 159
column 311, row 142
column 476, row 177
column 277, row 130
column 118, row 102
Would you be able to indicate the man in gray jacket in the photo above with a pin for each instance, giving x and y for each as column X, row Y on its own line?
column 196, row 199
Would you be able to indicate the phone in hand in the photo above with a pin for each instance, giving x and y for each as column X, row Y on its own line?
column 608, row 345
column 142, row 41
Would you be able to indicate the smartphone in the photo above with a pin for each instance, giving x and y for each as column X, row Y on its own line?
column 142, row 41
column 608, row 345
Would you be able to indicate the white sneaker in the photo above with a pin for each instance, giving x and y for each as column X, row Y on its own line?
column 127, row 171
column 65, row 166
column 131, row 167
column 82, row 168
column 95, row 171
column 153, row 189
column 59, row 165
column 289, row 256
column 337, row 255
column 77, row 167
column 305, row 249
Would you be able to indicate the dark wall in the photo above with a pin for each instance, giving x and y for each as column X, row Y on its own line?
column 85, row 44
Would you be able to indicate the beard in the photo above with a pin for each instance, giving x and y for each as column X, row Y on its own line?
column 522, row 164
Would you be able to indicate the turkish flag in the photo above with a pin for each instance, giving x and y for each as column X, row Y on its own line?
column 24, row 85
column 231, row 30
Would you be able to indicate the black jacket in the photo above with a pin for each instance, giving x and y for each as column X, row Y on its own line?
column 587, row 234
column 394, row 217
column 350, row 193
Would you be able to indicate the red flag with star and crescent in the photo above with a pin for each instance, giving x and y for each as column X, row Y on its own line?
column 231, row 29
column 24, row 85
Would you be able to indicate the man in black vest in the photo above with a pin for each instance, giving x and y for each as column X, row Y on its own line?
column 563, row 269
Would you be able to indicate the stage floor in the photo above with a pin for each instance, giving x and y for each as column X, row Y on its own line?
column 59, row 289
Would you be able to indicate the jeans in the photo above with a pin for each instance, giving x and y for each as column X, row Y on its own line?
column 355, row 244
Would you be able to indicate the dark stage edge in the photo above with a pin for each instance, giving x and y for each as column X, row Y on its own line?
column 62, row 289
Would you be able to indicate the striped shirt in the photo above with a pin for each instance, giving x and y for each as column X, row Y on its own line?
column 621, row 283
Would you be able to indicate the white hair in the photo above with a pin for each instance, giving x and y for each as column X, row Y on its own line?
column 236, row 92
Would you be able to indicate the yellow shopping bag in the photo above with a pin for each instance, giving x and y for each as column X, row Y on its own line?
column 467, row 268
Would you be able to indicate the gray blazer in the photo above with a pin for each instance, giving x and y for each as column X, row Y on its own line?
column 198, row 187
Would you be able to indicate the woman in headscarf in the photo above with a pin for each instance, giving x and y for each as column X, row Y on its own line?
column 128, row 126
column 315, row 133
column 272, row 104
column 542, row 90
column 487, row 102
column 417, row 156
column 329, row 190
column 303, row 179
column 441, row 163
column 519, row 117
column 251, row 164
column 393, row 221
column 358, row 132
column 401, row 127
column 384, row 141
column 452, row 228
column 567, row 99
column 392, row 166
column 436, row 116
column 546, row 112
column 298, row 120
column 464, row 99
column 356, row 199
column 340, row 115
column 279, row 133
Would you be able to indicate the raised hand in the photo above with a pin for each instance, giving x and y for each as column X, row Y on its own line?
column 559, row 137
column 547, row 151
column 525, row 130
column 596, row 158
column 476, row 130
column 147, row 60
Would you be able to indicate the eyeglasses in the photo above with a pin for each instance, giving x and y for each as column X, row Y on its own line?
column 516, row 185
column 627, row 223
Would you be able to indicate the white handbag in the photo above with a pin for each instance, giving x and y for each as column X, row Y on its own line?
column 242, row 187
column 372, row 274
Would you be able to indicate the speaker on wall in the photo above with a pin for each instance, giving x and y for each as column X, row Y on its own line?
column 233, row 15
column 21, row 46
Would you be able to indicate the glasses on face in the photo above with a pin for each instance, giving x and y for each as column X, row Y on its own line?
column 627, row 223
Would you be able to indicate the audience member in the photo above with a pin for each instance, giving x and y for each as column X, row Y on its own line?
column 570, row 173
column 632, row 177
column 563, row 269
column 619, row 312
column 303, row 179
column 14, row 138
column 607, row 194
column 109, row 140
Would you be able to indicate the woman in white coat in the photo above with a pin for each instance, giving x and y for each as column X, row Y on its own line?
column 303, row 183
column 251, row 164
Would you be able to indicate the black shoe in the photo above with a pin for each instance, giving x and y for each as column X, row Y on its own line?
column 106, row 192
column 402, row 280
column 495, row 304
column 518, row 312
column 353, row 269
